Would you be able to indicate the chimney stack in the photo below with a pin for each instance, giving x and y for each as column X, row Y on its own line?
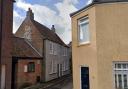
column 30, row 14
column 53, row 28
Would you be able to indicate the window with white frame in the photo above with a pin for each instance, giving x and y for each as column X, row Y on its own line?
column 83, row 30
column 64, row 66
column 121, row 75
column 67, row 65
column 63, row 51
column 53, row 67
column 55, row 49
column 51, row 46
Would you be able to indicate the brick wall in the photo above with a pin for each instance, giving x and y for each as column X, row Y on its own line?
column 6, row 13
column 27, row 77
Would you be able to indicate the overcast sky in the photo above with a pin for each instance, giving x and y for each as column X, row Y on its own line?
column 48, row 13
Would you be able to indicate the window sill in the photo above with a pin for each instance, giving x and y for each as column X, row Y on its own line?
column 84, row 43
column 52, row 73
column 64, row 70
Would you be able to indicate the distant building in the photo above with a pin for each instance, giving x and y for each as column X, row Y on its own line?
column 100, row 45
column 6, row 20
column 48, row 45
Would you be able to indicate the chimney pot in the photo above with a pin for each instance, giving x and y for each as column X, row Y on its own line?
column 53, row 28
column 30, row 14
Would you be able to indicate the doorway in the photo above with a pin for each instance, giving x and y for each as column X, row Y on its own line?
column 85, row 78
column 14, row 74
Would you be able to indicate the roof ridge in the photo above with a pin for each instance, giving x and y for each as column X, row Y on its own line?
column 47, row 33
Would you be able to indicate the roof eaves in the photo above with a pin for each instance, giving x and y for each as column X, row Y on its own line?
column 93, row 3
column 72, row 14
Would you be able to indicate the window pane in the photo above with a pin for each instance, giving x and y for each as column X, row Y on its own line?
column 119, row 65
column 121, row 75
column 124, row 66
column 115, row 65
column 84, row 31
column 115, row 81
column 120, row 81
column 31, row 67
column 125, row 81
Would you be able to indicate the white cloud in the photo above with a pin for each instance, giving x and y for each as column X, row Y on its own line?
column 48, row 16
column 70, row 1
column 89, row 1
column 17, row 20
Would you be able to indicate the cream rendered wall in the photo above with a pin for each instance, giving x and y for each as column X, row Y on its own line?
column 85, row 55
column 109, row 42
column 112, row 40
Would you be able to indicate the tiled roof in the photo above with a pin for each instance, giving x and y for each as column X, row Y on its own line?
column 22, row 49
column 97, row 2
column 47, row 33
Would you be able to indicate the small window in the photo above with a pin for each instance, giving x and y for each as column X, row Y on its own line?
column 31, row 67
column 53, row 67
column 55, row 49
column 121, row 75
column 51, row 47
column 83, row 30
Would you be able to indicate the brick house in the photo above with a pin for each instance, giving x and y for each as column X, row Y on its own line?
column 6, row 20
column 26, row 61
column 48, row 45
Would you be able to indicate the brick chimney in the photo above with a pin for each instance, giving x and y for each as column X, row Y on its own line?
column 30, row 14
column 53, row 28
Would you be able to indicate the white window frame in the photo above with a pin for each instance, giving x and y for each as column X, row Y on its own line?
column 67, row 65
column 55, row 49
column 53, row 68
column 120, row 71
column 79, row 24
column 51, row 48
column 63, row 66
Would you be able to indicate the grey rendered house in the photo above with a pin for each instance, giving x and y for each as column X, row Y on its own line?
column 48, row 45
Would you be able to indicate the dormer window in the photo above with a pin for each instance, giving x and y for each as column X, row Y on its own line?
column 83, row 30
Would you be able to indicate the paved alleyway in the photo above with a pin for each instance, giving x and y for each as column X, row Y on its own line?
column 61, row 83
column 66, row 84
